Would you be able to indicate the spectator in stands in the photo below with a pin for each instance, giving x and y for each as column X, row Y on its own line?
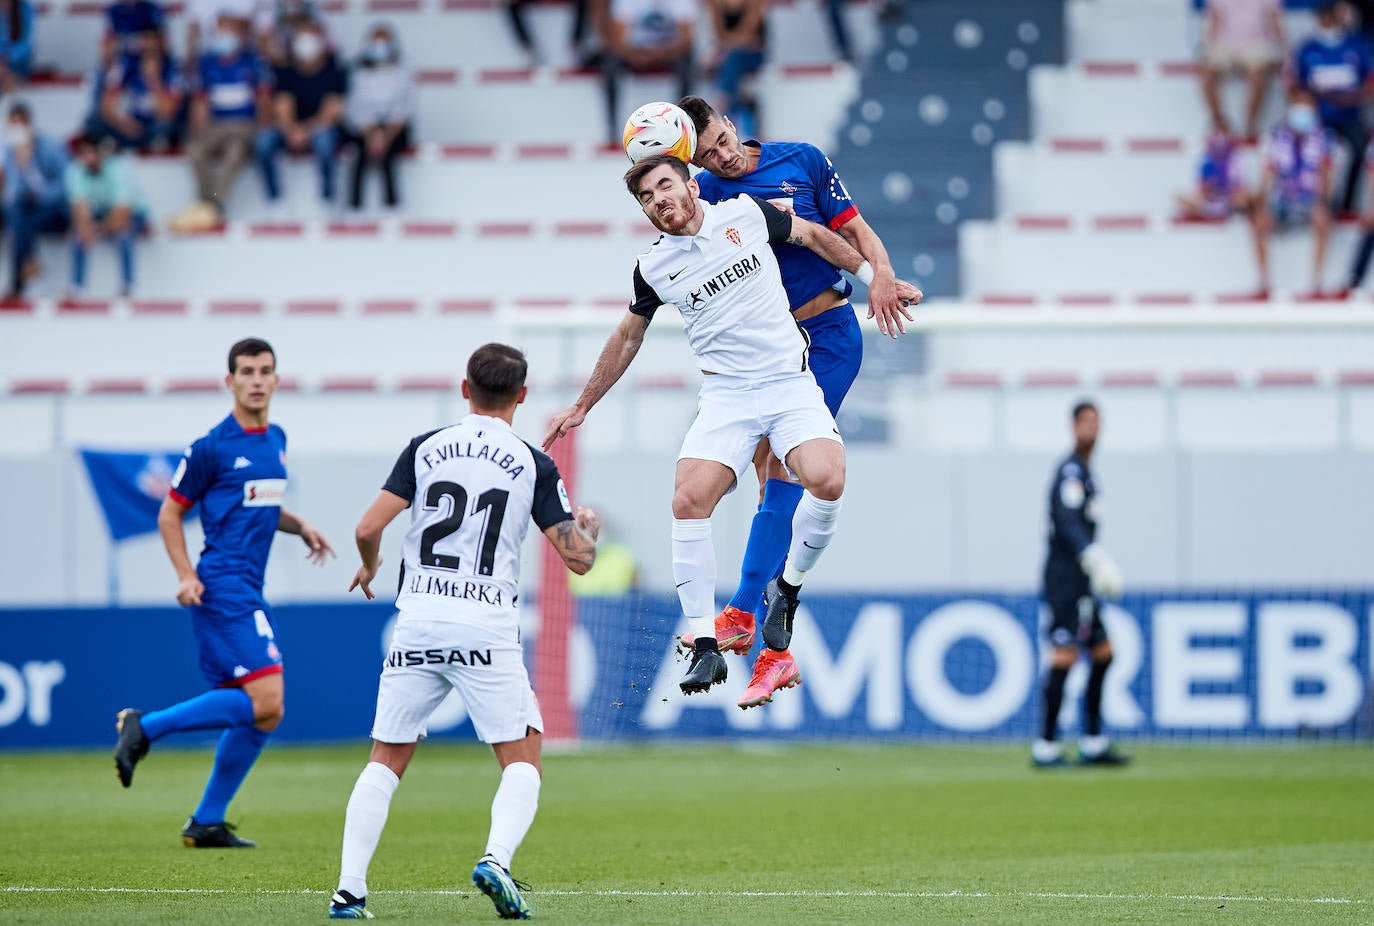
column 233, row 95
column 142, row 98
column 646, row 35
column 1295, row 185
column 104, row 205
column 381, row 103
column 587, row 24
column 839, row 32
column 288, row 17
column 1244, row 36
column 202, row 19
column 739, row 27
column 127, row 21
column 16, row 43
column 1221, row 189
column 1337, row 68
column 307, row 108
column 34, row 195
column 1365, row 249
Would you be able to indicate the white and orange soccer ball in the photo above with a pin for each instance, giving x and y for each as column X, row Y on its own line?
column 660, row 128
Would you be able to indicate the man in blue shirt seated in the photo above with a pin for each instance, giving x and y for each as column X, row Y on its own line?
column 1336, row 67
column 141, row 97
column 307, row 106
column 35, row 198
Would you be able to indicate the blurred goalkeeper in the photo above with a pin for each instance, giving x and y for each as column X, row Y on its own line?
column 1078, row 574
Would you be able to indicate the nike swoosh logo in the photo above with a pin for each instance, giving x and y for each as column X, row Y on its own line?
column 674, row 276
column 680, row 584
column 809, row 547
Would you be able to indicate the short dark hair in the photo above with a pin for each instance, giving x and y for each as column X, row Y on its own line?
column 701, row 112
column 88, row 139
column 1085, row 405
column 643, row 168
column 20, row 109
column 249, row 347
column 496, row 374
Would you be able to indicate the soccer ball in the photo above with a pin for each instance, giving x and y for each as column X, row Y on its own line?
column 660, row 128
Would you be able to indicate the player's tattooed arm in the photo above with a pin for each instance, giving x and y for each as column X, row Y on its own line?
column 575, row 540
column 825, row 243
column 621, row 348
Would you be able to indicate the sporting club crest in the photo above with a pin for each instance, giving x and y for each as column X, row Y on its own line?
column 733, row 234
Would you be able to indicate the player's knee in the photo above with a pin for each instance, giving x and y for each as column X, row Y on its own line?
column 1102, row 654
column 268, row 711
column 687, row 506
column 830, row 485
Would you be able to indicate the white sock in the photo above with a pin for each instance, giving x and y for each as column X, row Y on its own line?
column 363, row 823
column 694, row 572
column 1093, row 746
column 812, row 527
column 512, row 811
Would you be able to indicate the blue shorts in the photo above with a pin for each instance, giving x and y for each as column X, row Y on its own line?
column 236, row 642
column 837, row 351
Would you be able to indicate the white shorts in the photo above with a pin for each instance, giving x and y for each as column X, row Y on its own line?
column 483, row 663
column 734, row 414
column 1242, row 56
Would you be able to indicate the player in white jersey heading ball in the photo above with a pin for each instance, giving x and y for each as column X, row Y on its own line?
column 715, row 264
column 472, row 489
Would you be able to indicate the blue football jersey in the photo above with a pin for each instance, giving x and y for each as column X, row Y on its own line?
column 801, row 176
column 238, row 477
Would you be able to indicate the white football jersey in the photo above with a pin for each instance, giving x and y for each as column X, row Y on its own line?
column 725, row 282
column 473, row 488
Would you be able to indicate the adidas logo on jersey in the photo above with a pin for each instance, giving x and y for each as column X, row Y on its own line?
column 241, row 462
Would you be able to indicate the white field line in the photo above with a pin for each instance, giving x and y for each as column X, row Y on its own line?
column 1040, row 895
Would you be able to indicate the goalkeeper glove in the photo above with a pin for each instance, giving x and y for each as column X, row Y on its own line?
column 1103, row 574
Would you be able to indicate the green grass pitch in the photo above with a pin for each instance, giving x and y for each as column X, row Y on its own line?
column 701, row 833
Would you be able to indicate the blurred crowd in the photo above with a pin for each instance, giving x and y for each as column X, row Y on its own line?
column 1327, row 78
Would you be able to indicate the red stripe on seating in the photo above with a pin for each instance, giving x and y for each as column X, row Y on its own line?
column 665, row 381
column 40, row 387
column 467, row 151
column 85, row 306
column 1320, row 297
column 392, row 6
column 466, row 305
column 1078, row 145
column 436, row 76
column 505, row 229
column 470, row 4
column 219, row 228
column 1178, row 68
column 42, row 9
column 352, row 229
column 1154, row 145
column 333, row 6
column 504, row 75
column 1005, row 300
column 1351, row 378
column 643, row 227
column 611, row 302
column 427, row 384
column 582, row 228
column 15, row 304
column 429, row 229
column 116, row 386
column 1043, row 222
column 543, row 151
column 1130, row 378
column 390, row 306
column 312, row 307
column 1086, row 300
column 275, row 230
column 1111, row 68
column 348, row 384
column 160, row 306
column 1192, row 221
column 84, row 8
column 1208, row 378
column 288, row 384
column 1164, row 298
column 230, row 307
column 1287, row 378
column 609, row 149
column 198, row 384
column 1061, row 378
column 57, row 80
column 807, row 70
column 1121, row 222
column 1238, row 299
column 968, row 380
column 174, row 9
column 544, row 303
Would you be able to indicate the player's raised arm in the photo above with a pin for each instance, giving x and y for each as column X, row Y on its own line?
column 575, row 540
column 887, row 296
column 620, row 349
column 368, row 537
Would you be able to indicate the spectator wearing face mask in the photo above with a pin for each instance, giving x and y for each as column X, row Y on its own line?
column 104, row 206
column 34, row 195
column 288, row 18
column 307, row 107
column 1295, row 184
column 381, row 103
column 141, row 98
column 233, row 94
column 202, row 19
column 1336, row 67
column 16, row 43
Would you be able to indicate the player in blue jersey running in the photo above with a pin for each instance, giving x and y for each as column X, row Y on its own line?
column 800, row 178
column 237, row 474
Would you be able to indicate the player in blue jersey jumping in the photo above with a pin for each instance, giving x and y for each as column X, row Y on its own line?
column 237, row 474
column 800, row 178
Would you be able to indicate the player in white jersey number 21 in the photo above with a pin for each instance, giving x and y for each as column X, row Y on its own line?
column 472, row 488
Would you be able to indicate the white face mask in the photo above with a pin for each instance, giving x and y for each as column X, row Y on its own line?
column 1330, row 35
column 17, row 135
column 226, row 44
column 307, row 46
column 1302, row 118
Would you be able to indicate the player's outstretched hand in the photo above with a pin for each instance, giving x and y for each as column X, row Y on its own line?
column 589, row 521
column 887, row 302
column 189, row 591
column 363, row 579
column 909, row 293
column 562, row 423
column 319, row 547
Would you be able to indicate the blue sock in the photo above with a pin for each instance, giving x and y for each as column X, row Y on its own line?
column 769, row 537
column 214, row 710
column 239, row 748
